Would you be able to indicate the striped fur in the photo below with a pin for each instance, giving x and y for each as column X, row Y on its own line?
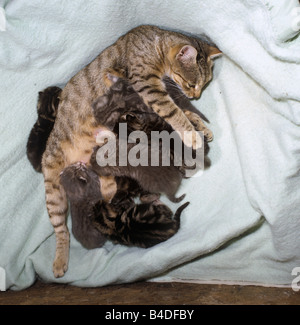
column 122, row 104
column 142, row 225
column 122, row 221
column 144, row 55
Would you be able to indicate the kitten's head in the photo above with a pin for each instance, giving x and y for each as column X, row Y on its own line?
column 48, row 102
column 191, row 66
column 81, row 183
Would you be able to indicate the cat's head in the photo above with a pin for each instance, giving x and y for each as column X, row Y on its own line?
column 191, row 67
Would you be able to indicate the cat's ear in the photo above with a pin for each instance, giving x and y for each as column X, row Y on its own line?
column 213, row 52
column 187, row 54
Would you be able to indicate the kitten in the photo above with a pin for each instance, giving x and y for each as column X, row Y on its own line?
column 144, row 55
column 81, row 203
column 47, row 109
column 83, row 191
column 121, row 221
column 122, row 104
column 83, row 188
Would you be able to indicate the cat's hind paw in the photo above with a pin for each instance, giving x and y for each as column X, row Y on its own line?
column 60, row 267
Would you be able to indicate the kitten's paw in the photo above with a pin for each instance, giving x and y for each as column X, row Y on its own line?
column 60, row 266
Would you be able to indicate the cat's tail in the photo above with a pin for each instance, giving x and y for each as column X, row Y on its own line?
column 147, row 225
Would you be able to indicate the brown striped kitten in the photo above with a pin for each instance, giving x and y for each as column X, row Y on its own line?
column 121, row 221
column 144, row 55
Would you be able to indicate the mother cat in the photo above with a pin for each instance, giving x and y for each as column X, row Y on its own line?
column 144, row 55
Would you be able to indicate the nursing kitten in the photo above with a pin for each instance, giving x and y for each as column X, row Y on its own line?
column 83, row 188
column 144, row 55
column 121, row 221
column 83, row 191
column 47, row 109
column 123, row 104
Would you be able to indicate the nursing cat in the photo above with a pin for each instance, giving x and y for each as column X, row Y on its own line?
column 144, row 55
column 83, row 188
column 83, row 191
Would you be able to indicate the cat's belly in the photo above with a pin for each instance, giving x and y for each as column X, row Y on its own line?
column 80, row 149
column 82, row 146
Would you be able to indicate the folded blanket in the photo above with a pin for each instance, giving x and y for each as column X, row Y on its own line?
column 243, row 222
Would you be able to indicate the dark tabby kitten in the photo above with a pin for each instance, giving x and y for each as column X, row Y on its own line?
column 123, row 104
column 47, row 109
column 122, row 221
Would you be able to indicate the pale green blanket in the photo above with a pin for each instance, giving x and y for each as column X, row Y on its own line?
column 243, row 223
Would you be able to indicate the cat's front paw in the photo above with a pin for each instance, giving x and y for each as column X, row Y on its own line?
column 192, row 139
column 199, row 125
column 209, row 136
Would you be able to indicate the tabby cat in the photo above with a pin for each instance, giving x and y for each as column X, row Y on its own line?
column 83, row 187
column 83, row 191
column 144, row 55
column 122, row 221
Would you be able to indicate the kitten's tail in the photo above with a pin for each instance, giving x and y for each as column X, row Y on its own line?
column 179, row 211
column 147, row 225
column 174, row 199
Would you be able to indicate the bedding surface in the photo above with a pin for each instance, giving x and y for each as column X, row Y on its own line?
column 243, row 223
